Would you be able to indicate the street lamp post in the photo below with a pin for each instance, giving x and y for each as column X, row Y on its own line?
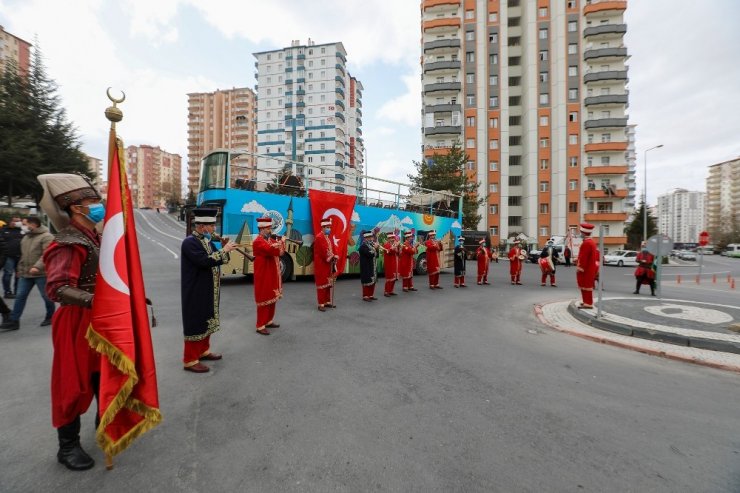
column 644, row 194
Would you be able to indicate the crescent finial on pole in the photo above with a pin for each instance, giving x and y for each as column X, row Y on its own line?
column 116, row 101
column 113, row 113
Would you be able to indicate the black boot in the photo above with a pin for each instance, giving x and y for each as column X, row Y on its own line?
column 652, row 289
column 637, row 287
column 10, row 324
column 70, row 451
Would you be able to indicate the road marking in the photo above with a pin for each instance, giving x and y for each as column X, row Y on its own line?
column 155, row 228
column 158, row 243
column 689, row 312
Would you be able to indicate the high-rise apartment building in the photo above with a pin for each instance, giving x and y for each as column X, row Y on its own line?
column 14, row 48
column 535, row 94
column 221, row 119
column 310, row 112
column 681, row 215
column 154, row 175
column 629, row 178
column 95, row 166
column 723, row 197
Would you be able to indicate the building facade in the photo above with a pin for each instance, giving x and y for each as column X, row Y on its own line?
column 15, row 49
column 723, row 197
column 310, row 113
column 681, row 215
column 535, row 93
column 154, row 176
column 95, row 166
column 221, row 119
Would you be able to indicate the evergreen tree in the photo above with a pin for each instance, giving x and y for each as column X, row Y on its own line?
column 634, row 231
column 35, row 136
column 447, row 172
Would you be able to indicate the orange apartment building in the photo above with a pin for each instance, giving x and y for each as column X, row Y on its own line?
column 154, row 175
column 535, row 93
column 14, row 48
column 221, row 119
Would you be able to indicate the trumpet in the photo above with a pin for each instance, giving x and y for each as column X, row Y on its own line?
column 225, row 240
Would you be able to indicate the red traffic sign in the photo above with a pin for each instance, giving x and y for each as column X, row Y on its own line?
column 703, row 238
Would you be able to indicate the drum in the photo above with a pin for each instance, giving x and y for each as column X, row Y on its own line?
column 546, row 265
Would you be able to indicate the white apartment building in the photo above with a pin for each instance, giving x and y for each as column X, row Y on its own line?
column 681, row 215
column 723, row 197
column 309, row 111
column 535, row 93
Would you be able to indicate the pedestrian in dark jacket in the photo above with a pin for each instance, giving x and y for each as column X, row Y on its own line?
column 10, row 244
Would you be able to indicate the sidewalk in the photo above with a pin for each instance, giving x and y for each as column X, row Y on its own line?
column 701, row 333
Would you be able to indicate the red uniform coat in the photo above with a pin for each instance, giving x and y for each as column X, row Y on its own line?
column 645, row 270
column 322, row 261
column 515, row 264
column 390, row 260
column 268, row 285
column 434, row 249
column 587, row 265
column 484, row 257
column 406, row 266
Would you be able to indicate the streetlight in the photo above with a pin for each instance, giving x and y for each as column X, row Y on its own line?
column 644, row 195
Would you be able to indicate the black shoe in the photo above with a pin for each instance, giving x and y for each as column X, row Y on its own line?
column 6, row 317
column 635, row 292
column 46, row 322
column 11, row 325
column 9, row 296
column 70, row 452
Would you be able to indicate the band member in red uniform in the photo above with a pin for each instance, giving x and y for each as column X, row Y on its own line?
column 391, row 251
column 71, row 262
column 586, row 266
column 483, row 254
column 516, row 259
column 369, row 250
column 268, row 285
column 406, row 268
column 548, row 261
column 325, row 262
column 200, row 284
column 433, row 253
column 644, row 272
column 459, row 261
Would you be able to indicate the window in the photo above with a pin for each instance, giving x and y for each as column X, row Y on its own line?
column 494, row 230
column 571, row 4
column 514, row 41
column 493, row 59
column 470, row 36
column 573, row 116
column 605, row 160
column 573, row 71
column 470, row 121
column 493, row 17
column 470, row 144
column 515, row 181
column 544, row 142
column 515, row 220
column 469, row 79
column 544, row 186
column 590, row 138
column 515, row 160
column 544, row 208
column 544, row 98
column 471, row 165
column 544, row 121
column 573, row 139
column 544, row 231
column 493, row 209
column 493, row 188
column 573, row 162
column 543, row 77
column 515, row 100
column 515, row 120
column 515, row 200
column 470, row 56
column 606, row 114
column 606, row 137
column 493, row 122
column 515, row 81
column 470, row 100
column 572, row 184
column 493, row 166
column 544, row 164
column 514, row 21
column 515, row 140
column 572, row 94
column 493, row 144
column 573, row 49
column 543, row 55
column 572, row 206
column 543, row 33
column 493, row 102
column 493, row 80
column 542, row 11
column 515, row 61
column 572, row 26
column 469, row 14
column 493, row 38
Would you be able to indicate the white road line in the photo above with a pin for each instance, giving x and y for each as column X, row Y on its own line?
column 158, row 243
column 157, row 229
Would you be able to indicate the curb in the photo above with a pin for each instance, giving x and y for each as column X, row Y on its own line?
column 653, row 335
column 603, row 340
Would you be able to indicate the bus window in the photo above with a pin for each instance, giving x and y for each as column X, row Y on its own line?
column 213, row 171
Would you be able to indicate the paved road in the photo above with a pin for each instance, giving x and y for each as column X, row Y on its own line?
column 453, row 390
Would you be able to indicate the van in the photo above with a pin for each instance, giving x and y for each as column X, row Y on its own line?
column 732, row 250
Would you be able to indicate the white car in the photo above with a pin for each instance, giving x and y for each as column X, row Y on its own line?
column 621, row 258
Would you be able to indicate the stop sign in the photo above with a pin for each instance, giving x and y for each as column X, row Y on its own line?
column 703, row 238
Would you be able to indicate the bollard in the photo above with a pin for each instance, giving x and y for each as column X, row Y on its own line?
column 714, row 278
column 678, row 279
column 697, row 279
column 732, row 283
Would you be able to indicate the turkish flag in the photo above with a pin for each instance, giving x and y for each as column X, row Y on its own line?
column 119, row 331
column 338, row 208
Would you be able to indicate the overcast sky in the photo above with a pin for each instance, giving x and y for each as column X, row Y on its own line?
column 684, row 70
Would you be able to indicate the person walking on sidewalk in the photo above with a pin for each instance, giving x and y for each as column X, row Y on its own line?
column 31, row 272
column 645, row 273
column 10, row 246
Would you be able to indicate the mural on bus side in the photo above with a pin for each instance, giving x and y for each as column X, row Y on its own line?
column 292, row 220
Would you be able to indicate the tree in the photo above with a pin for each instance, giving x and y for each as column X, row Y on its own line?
column 191, row 198
column 447, row 172
column 35, row 136
column 635, row 230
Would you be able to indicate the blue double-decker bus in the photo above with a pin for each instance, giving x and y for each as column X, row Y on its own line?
column 242, row 194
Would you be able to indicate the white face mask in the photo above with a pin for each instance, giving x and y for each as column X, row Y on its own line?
column 25, row 229
column 18, row 224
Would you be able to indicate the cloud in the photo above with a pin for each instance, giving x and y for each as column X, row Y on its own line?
column 153, row 20
column 455, row 224
column 253, row 207
column 405, row 108
column 407, row 220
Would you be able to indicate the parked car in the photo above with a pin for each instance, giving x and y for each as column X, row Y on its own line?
column 686, row 255
column 534, row 256
column 621, row 258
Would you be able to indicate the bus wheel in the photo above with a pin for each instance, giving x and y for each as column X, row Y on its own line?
column 286, row 267
column 421, row 264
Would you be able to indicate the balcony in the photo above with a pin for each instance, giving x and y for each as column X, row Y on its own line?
column 339, row 103
column 339, row 91
column 617, row 193
column 339, row 115
column 427, row 4
column 607, row 99
column 300, row 104
column 341, row 56
column 450, row 22
column 605, row 29
column 441, row 44
column 606, row 123
column 339, row 189
column 606, row 146
column 339, row 67
column 446, row 65
column 340, row 80
column 605, row 53
column 443, row 87
column 299, row 92
column 604, row 6
column 605, row 216
column 605, row 75
column 442, row 108
column 301, row 56
column 339, row 176
column 443, row 130
column 339, row 164
column 605, row 170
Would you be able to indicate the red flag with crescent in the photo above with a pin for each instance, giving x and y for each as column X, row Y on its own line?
column 119, row 331
column 338, row 208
